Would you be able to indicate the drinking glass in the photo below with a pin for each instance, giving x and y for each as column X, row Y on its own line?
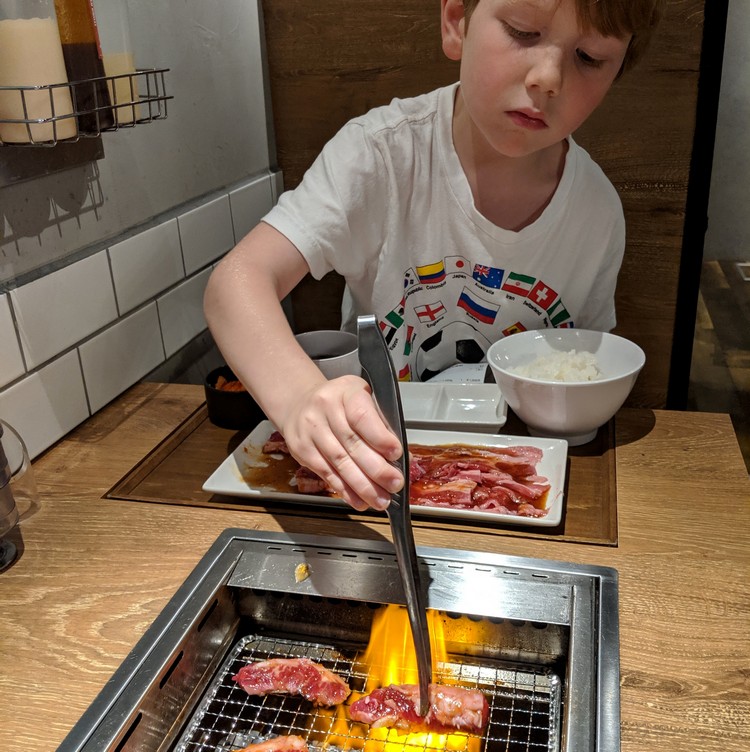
column 17, row 487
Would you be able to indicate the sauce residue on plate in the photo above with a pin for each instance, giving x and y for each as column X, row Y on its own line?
column 269, row 472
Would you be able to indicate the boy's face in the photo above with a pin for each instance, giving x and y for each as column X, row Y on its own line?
column 529, row 75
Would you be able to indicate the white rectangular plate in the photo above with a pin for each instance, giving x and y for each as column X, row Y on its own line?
column 453, row 407
column 228, row 477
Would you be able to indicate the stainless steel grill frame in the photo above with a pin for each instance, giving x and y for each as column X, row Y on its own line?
column 551, row 626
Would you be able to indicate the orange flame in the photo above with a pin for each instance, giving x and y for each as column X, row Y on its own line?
column 390, row 659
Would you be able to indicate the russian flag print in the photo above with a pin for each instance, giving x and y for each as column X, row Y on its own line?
column 477, row 308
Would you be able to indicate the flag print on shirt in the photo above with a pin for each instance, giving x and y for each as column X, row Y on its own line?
column 430, row 312
column 518, row 284
column 431, row 274
column 514, row 329
column 543, row 295
column 395, row 317
column 410, row 280
column 489, row 276
column 457, row 264
column 392, row 322
column 477, row 307
column 558, row 314
column 409, row 341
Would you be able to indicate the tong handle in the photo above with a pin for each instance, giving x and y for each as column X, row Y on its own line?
column 376, row 362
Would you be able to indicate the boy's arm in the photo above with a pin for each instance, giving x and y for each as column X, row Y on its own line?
column 331, row 427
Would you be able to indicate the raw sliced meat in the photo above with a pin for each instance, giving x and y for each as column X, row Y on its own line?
column 395, row 706
column 503, row 480
column 490, row 479
column 278, row 744
column 294, row 676
column 309, row 482
column 275, row 444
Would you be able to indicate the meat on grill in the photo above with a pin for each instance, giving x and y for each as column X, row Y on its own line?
column 294, row 676
column 451, row 708
column 278, row 744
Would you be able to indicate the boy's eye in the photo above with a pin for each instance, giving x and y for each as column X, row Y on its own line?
column 586, row 59
column 524, row 36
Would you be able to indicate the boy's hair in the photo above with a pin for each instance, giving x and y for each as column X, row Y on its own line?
column 616, row 18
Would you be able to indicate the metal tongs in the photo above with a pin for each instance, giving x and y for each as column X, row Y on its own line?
column 376, row 362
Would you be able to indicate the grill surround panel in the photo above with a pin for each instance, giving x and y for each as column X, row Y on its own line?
column 529, row 616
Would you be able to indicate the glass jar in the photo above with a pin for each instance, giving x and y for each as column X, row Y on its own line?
column 83, row 61
column 30, row 56
column 117, row 56
column 18, row 492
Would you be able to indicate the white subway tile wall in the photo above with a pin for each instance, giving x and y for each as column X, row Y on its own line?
column 248, row 205
column 47, row 403
column 181, row 312
column 145, row 264
column 58, row 310
column 92, row 329
column 120, row 355
column 206, row 233
column 11, row 362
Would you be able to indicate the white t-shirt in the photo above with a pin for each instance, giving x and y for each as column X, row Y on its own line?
column 388, row 206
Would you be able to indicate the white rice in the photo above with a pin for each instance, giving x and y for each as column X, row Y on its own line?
column 562, row 366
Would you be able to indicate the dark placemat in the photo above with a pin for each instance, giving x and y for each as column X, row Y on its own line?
column 174, row 472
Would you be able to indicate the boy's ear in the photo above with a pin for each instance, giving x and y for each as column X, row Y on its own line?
column 452, row 28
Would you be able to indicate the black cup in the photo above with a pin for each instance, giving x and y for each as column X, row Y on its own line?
column 228, row 409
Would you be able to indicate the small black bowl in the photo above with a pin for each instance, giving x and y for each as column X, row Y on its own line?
column 230, row 409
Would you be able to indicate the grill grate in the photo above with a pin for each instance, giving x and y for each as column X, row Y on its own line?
column 524, row 706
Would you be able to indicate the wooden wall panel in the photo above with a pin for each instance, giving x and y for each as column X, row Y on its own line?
column 334, row 59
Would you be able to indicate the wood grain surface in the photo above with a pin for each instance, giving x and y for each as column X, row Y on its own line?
column 335, row 59
column 94, row 572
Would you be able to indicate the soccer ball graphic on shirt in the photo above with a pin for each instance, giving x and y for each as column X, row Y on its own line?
column 457, row 342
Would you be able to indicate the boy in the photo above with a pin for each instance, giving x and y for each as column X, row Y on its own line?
column 457, row 218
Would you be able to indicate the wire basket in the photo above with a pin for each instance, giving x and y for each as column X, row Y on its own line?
column 134, row 98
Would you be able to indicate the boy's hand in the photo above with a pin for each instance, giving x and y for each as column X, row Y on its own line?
column 336, row 430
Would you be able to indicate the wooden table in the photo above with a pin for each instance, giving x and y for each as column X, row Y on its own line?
column 94, row 573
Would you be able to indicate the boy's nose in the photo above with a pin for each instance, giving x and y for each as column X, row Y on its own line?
column 545, row 73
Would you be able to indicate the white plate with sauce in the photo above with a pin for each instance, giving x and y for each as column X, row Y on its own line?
column 453, row 407
column 247, row 472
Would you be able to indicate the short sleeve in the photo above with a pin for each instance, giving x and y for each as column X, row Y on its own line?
column 335, row 216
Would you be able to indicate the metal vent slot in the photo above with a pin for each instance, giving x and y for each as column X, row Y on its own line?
column 524, row 705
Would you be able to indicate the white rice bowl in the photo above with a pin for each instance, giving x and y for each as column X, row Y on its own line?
column 562, row 366
column 565, row 383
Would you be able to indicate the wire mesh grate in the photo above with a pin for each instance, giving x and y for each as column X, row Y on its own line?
column 524, row 707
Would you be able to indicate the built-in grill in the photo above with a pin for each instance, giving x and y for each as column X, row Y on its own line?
column 538, row 638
